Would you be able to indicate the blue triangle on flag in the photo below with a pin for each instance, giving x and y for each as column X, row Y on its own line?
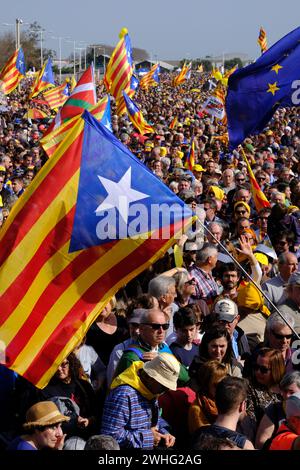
column 118, row 196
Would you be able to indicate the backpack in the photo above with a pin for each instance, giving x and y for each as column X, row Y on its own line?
column 66, row 406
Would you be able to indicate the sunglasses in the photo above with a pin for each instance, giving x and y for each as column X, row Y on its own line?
column 278, row 336
column 157, row 326
column 262, row 369
column 240, row 179
column 191, row 281
column 261, row 178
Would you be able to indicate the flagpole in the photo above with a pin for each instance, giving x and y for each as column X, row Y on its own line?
column 249, row 278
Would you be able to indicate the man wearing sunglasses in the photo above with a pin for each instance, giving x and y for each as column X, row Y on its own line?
column 150, row 342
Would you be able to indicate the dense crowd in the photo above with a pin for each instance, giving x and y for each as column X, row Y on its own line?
column 186, row 356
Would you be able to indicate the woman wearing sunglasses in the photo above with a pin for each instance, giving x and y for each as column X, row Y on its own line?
column 267, row 371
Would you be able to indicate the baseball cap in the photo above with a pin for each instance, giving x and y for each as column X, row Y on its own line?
column 190, row 246
column 226, row 310
column 261, row 258
column 136, row 315
column 198, row 168
column 266, row 250
column 164, row 368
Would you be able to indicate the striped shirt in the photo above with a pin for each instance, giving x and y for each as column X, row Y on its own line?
column 128, row 417
column 206, row 286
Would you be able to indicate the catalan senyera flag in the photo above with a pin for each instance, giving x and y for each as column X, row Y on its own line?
column 136, row 116
column 34, row 113
column 262, row 40
column 73, row 240
column 51, row 141
column 173, row 123
column 190, row 160
column 82, row 97
column 151, row 78
column 57, row 96
column 120, row 67
column 13, row 72
column 259, row 198
column 44, row 80
column 184, row 74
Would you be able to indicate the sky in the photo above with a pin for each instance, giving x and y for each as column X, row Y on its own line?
column 167, row 29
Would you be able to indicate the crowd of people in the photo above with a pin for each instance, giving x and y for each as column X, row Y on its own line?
column 190, row 356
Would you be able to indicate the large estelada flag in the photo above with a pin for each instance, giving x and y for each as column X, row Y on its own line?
column 13, row 71
column 93, row 218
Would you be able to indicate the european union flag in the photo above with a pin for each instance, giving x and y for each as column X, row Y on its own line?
column 256, row 91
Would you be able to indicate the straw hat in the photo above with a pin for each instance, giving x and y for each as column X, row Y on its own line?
column 44, row 413
column 164, row 368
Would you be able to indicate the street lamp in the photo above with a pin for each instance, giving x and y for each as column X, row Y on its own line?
column 74, row 56
column 59, row 45
column 18, row 23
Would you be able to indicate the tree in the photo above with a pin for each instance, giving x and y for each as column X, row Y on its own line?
column 228, row 64
column 30, row 42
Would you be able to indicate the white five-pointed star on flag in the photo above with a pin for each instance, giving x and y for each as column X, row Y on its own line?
column 120, row 195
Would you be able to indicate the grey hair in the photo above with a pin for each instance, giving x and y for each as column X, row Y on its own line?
column 282, row 259
column 275, row 319
column 211, row 224
column 160, row 285
column 290, row 379
column 173, row 184
column 101, row 442
column 207, row 250
column 181, row 278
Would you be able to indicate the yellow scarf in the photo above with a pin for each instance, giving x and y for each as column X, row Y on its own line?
column 130, row 377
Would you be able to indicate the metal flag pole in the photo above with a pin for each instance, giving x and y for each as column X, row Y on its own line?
column 249, row 277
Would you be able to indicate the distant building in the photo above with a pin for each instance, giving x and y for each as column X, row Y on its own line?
column 147, row 64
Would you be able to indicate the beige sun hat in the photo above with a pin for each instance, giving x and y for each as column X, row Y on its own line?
column 164, row 368
column 44, row 413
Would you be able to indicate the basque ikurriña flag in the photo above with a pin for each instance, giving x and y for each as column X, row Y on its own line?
column 93, row 218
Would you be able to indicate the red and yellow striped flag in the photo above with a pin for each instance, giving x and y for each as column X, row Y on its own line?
column 120, row 67
column 183, row 74
column 57, row 96
column 190, row 161
column 12, row 72
column 136, row 117
column 174, row 122
column 51, row 141
column 148, row 80
column 56, row 272
column 34, row 113
column 262, row 40
column 260, row 199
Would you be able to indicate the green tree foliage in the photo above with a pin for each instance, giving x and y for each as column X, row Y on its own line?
column 30, row 42
column 232, row 62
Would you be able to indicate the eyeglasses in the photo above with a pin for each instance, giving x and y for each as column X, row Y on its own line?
column 65, row 364
column 157, row 326
column 278, row 336
column 262, row 369
column 191, row 281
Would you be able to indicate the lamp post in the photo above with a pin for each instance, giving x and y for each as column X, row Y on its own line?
column 60, row 38
column 18, row 41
